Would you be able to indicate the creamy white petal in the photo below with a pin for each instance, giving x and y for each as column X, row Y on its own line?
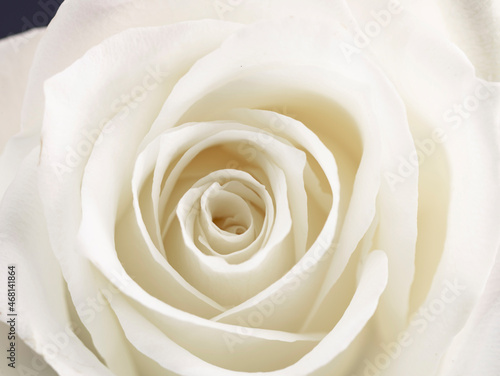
column 92, row 21
column 261, row 199
column 161, row 348
column 42, row 320
column 195, row 334
column 234, row 227
column 16, row 59
column 301, row 137
column 66, row 149
column 276, row 257
column 475, row 27
column 98, row 217
column 233, row 349
column 244, row 55
column 472, row 150
column 26, row 359
column 474, row 351
column 372, row 282
column 154, row 274
column 188, row 140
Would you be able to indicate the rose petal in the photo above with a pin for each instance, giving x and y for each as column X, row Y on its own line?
column 42, row 319
column 261, row 197
column 188, row 139
column 474, row 350
column 91, row 22
column 62, row 201
column 26, row 359
column 252, row 205
column 259, row 268
column 474, row 27
column 149, row 340
column 244, row 53
column 99, row 220
column 99, row 247
column 16, row 57
column 471, row 147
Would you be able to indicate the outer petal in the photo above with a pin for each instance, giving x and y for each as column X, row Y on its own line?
column 26, row 359
column 40, row 311
column 364, row 302
column 408, row 53
column 16, row 57
column 475, row 27
column 143, row 48
column 80, row 25
column 475, row 350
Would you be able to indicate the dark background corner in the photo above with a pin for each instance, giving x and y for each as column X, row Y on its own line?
column 17, row 16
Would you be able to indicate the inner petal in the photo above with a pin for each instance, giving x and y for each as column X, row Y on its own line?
column 229, row 284
column 254, row 193
column 226, row 220
column 227, row 211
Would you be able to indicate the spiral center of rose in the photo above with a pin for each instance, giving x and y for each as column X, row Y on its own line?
column 232, row 202
column 228, row 212
column 230, row 216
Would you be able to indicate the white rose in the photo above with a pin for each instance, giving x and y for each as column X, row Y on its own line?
column 232, row 187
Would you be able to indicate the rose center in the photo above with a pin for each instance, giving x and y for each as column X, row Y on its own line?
column 227, row 212
column 228, row 218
